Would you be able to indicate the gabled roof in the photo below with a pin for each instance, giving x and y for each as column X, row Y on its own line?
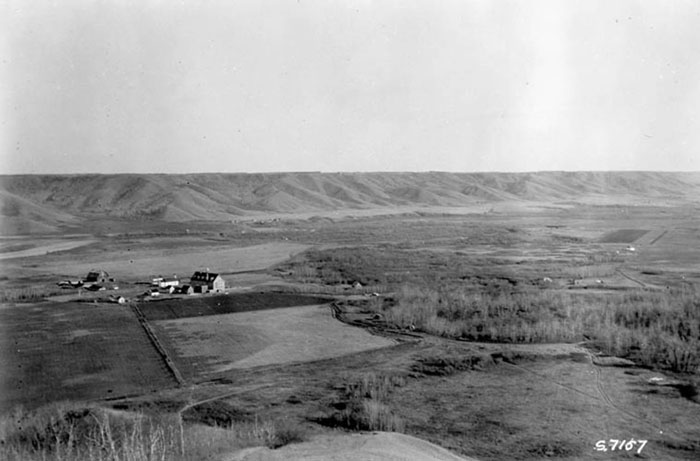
column 204, row 277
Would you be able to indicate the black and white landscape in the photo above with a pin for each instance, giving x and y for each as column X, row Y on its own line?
column 279, row 230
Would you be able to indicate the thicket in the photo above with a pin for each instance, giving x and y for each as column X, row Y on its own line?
column 391, row 266
column 26, row 294
column 655, row 329
column 71, row 432
column 362, row 404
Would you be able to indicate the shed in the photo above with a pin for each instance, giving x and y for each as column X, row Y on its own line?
column 169, row 282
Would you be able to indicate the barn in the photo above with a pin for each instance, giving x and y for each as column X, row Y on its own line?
column 212, row 281
column 97, row 276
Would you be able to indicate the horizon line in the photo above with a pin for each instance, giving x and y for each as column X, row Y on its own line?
column 344, row 172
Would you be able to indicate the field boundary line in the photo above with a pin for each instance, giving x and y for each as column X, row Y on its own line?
column 638, row 282
column 371, row 328
column 157, row 344
column 658, row 237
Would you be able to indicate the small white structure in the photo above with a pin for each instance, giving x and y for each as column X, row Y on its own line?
column 162, row 282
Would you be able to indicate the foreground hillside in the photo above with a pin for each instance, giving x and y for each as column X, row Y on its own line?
column 44, row 203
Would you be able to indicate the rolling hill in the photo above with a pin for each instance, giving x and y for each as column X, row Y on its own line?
column 43, row 203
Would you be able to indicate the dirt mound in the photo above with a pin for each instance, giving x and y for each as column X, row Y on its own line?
column 375, row 446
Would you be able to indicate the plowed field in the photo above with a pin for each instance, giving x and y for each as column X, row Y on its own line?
column 58, row 351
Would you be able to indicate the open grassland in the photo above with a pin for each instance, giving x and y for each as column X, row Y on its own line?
column 59, row 351
column 486, row 400
column 205, row 346
column 140, row 259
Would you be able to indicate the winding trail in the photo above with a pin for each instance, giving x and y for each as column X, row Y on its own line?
column 602, row 395
column 44, row 249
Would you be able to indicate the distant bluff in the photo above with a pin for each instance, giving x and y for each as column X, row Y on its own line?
column 45, row 200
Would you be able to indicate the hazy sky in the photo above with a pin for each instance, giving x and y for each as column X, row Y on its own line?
column 345, row 85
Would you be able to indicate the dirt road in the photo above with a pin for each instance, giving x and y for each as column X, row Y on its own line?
column 47, row 248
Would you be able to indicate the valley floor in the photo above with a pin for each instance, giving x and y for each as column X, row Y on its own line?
column 304, row 325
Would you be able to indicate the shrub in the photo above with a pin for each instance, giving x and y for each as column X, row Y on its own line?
column 286, row 432
column 69, row 432
column 363, row 404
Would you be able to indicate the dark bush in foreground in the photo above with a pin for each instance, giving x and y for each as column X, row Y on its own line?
column 362, row 405
column 74, row 432
column 286, row 432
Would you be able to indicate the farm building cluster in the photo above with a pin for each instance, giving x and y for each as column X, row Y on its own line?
column 200, row 282
column 96, row 280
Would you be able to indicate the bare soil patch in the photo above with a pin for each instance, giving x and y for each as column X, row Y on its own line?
column 198, row 306
column 375, row 446
column 623, row 236
column 42, row 248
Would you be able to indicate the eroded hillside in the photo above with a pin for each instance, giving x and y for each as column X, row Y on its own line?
column 42, row 203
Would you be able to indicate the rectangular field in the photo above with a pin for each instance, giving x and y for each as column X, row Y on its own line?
column 79, row 351
column 623, row 236
column 213, row 344
column 198, row 306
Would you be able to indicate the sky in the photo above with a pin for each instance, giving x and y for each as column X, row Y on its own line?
column 348, row 85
